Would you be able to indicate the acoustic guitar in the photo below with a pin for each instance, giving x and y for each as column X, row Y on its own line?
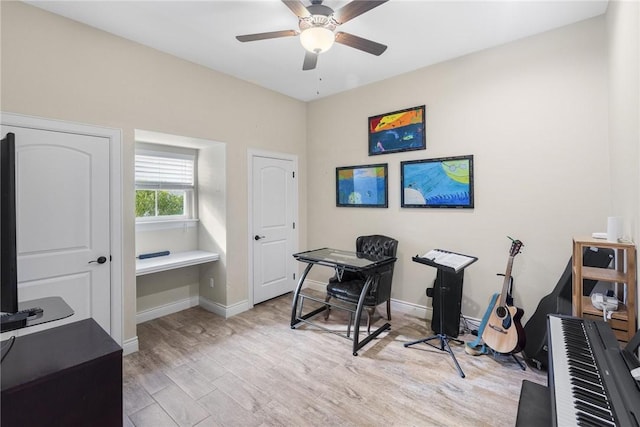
column 503, row 332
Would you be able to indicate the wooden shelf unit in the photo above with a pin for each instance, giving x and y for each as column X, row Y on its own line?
column 623, row 321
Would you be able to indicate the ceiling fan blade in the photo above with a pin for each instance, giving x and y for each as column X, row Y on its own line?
column 354, row 9
column 310, row 60
column 297, row 7
column 269, row 35
column 356, row 42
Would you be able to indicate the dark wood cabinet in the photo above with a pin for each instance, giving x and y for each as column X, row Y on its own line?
column 70, row 375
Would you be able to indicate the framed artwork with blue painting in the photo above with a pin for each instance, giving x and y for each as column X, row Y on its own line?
column 362, row 186
column 402, row 130
column 445, row 182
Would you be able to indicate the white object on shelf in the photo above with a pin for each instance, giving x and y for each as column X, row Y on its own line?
column 174, row 260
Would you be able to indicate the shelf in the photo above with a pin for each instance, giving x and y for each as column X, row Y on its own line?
column 619, row 315
column 603, row 243
column 173, row 261
column 623, row 320
column 604, row 274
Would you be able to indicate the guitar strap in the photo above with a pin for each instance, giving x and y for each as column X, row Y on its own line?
column 475, row 346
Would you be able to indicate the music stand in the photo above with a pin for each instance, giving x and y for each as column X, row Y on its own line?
column 454, row 263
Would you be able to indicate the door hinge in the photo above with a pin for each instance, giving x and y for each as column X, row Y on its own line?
column 294, row 276
column 294, row 225
column 294, row 174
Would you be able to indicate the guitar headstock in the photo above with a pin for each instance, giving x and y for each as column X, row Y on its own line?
column 516, row 245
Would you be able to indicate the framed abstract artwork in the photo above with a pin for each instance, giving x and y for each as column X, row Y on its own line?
column 445, row 182
column 362, row 186
column 402, row 130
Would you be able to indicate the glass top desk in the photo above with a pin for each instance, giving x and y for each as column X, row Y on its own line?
column 341, row 261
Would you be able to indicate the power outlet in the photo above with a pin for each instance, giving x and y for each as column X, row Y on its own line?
column 211, row 283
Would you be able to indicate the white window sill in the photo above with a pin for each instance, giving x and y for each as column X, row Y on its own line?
column 165, row 224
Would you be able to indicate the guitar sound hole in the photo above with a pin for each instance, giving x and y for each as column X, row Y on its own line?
column 501, row 312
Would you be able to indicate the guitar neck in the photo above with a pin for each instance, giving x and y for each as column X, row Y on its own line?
column 507, row 280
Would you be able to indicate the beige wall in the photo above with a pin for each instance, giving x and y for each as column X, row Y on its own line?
column 624, row 123
column 56, row 68
column 623, row 34
column 213, row 220
column 534, row 115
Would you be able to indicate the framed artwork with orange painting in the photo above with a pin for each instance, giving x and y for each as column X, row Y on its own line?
column 402, row 130
column 446, row 182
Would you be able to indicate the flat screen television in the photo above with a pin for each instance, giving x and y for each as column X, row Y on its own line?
column 8, row 252
column 445, row 182
column 35, row 311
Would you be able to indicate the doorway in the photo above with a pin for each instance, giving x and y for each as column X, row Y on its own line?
column 69, row 218
column 273, row 215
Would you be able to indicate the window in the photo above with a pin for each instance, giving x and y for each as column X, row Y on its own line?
column 165, row 184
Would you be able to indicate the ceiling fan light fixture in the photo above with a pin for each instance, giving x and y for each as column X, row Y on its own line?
column 317, row 39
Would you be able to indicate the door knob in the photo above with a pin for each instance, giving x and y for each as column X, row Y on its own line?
column 256, row 237
column 100, row 260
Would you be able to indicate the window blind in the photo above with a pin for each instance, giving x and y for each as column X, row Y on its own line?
column 167, row 171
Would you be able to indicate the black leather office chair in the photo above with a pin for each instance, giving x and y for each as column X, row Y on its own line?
column 350, row 286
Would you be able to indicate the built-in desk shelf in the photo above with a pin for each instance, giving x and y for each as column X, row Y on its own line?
column 174, row 260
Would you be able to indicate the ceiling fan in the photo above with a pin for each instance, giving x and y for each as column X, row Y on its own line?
column 318, row 25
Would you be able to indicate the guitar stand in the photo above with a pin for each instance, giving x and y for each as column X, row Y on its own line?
column 444, row 338
column 513, row 355
column 522, row 366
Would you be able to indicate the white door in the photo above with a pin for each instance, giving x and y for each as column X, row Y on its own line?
column 274, row 202
column 62, row 204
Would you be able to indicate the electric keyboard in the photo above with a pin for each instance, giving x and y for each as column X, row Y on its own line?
column 590, row 375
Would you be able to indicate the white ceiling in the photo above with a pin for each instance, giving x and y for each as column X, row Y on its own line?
column 418, row 33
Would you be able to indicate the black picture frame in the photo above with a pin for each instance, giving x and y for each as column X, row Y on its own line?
column 402, row 130
column 444, row 182
column 363, row 186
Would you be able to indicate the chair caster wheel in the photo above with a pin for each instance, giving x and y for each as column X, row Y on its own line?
column 355, row 354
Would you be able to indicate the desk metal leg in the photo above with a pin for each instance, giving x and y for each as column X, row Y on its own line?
column 296, row 296
column 357, row 345
column 297, row 317
column 356, row 328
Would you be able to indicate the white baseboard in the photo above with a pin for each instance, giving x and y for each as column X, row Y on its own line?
column 416, row 310
column 225, row 311
column 130, row 346
column 163, row 310
column 315, row 285
column 471, row 322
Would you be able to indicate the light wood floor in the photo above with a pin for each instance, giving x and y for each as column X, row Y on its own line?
column 195, row 368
